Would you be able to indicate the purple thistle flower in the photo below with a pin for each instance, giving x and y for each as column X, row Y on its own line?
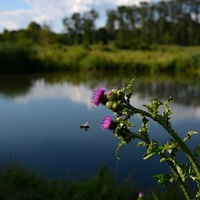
column 97, row 96
column 141, row 194
column 106, row 123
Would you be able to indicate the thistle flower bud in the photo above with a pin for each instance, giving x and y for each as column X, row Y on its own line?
column 119, row 93
column 118, row 119
column 114, row 91
column 109, row 104
column 115, row 106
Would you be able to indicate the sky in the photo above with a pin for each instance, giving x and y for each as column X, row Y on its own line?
column 17, row 14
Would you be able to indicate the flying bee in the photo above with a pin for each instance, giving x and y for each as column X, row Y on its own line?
column 84, row 126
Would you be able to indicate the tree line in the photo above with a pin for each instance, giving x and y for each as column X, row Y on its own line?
column 174, row 22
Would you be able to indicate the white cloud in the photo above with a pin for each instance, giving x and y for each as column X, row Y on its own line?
column 82, row 94
column 8, row 18
column 42, row 90
column 53, row 12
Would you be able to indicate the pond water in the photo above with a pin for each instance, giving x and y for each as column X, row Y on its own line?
column 40, row 117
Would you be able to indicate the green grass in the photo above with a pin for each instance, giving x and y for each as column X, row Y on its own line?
column 23, row 57
column 19, row 183
column 163, row 59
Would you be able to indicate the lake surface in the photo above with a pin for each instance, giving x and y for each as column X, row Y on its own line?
column 40, row 117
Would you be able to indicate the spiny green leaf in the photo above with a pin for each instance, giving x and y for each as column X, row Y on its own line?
column 154, row 195
column 120, row 144
column 166, row 147
column 164, row 179
column 151, row 150
column 153, row 106
column 182, row 169
column 167, row 111
column 198, row 194
column 149, row 108
column 156, row 100
column 189, row 135
column 130, row 85
column 193, row 178
column 169, row 100
column 163, row 159
column 128, row 90
column 141, row 143
column 144, row 129
column 172, row 148
column 148, row 155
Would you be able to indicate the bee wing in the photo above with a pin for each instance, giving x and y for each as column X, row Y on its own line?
column 85, row 124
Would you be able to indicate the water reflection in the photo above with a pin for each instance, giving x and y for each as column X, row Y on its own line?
column 81, row 94
column 184, row 90
column 39, row 125
column 43, row 90
column 183, row 93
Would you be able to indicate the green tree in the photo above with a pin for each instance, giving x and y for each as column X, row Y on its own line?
column 89, row 19
column 78, row 27
column 111, row 23
column 68, row 24
column 32, row 31
column 47, row 36
column 102, row 35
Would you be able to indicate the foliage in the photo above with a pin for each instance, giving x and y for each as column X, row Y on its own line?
column 28, row 57
column 17, row 57
column 139, row 31
column 123, row 127
column 138, row 27
column 18, row 182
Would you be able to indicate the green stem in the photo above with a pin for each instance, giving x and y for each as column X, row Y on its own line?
column 169, row 129
column 170, row 163
column 135, row 135
column 185, row 149
column 177, row 177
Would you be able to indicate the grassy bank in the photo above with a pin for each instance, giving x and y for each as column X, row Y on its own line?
column 25, row 57
column 19, row 183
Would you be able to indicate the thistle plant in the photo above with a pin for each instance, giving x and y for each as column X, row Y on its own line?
column 123, row 127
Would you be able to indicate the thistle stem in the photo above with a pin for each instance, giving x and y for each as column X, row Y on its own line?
column 170, row 163
column 176, row 137
column 135, row 135
column 173, row 134
column 177, row 177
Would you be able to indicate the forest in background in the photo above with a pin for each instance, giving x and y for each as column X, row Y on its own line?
column 148, row 38
column 175, row 22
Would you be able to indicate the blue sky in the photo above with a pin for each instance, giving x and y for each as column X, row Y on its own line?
column 13, row 5
column 17, row 14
